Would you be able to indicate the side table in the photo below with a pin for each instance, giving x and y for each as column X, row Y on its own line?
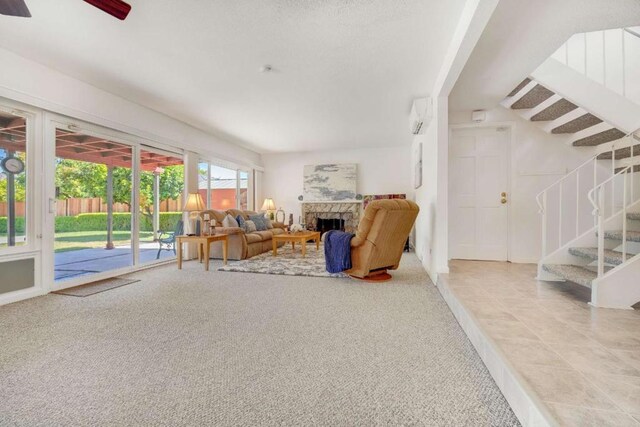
column 204, row 243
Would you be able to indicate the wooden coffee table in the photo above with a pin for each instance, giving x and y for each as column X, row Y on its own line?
column 301, row 237
column 204, row 243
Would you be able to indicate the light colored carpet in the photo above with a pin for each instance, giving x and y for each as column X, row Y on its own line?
column 194, row 348
column 288, row 262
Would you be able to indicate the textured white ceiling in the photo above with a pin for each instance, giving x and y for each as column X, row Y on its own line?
column 345, row 71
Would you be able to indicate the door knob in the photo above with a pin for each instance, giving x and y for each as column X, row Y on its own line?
column 503, row 197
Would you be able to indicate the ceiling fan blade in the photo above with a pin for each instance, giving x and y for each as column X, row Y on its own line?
column 116, row 8
column 14, row 8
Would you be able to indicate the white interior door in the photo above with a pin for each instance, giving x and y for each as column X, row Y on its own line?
column 479, row 179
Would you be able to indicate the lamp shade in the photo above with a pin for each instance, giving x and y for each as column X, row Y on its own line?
column 268, row 205
column 194, row 203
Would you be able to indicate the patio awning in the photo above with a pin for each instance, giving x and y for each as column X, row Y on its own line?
column 78, row 146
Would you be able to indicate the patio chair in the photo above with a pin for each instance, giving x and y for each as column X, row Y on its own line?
column 169, row 243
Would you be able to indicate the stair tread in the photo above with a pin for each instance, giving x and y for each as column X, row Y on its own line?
column 572, row 273
column 621, row 153
column 632, row 236
column 634, row 169
column 610, row 256
column 633, row 215
column 599, row 138
column 554, row 111
column 532, row 98
column 519, row 87
column 576, row 125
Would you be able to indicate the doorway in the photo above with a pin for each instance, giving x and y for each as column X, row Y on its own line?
column 479, row 193
column 93, row 193
column 161, row 186
column 114, row 203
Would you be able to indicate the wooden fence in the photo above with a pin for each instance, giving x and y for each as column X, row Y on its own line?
column 19, row 209
column 74, row 206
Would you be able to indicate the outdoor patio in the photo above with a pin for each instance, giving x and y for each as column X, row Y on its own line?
column 72, row 264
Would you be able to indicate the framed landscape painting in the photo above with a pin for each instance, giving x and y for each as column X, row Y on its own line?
column 330, row 182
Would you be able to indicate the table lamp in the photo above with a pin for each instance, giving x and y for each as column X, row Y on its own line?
column 269, row 206
column 194, row 204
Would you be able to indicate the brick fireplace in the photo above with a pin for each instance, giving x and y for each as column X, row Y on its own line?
column 348, row 212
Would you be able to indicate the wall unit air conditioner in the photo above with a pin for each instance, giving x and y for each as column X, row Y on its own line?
column 421, row 114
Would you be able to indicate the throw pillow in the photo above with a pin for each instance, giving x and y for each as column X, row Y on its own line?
column 269, row 224
column 259, row 221
column 249, row 226
column 230, row 221
column 240, row 221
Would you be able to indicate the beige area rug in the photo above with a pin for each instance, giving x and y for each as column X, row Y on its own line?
column 95, row 287
column 288, row 262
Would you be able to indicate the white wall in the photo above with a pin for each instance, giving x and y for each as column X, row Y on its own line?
column 380, row 171
column 538, row 159
column 431, row 197
column 31, row 83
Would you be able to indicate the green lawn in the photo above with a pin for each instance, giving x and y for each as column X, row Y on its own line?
column 76, row 240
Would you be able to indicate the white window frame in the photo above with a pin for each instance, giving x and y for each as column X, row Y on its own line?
column 34, row 204
column 54, row 121
column 32, row 166
column 238, row 170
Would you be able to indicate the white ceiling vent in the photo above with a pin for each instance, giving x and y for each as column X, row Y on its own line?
column 421, row 114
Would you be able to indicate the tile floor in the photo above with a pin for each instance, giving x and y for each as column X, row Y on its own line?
column 581, row 363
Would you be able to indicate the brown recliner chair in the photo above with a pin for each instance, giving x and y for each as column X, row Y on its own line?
column 380, row 239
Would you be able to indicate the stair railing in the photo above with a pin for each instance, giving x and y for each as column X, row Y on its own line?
column 590, row 164
column 542, row 199
column 597, row 197
column 604, row 51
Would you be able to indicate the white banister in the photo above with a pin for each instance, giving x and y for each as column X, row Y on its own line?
column 577, row 203
column 632, row 146
column 601, row 231
column 543, row 210
column 597, row 197
column 560, row 214
column 624, row 216
column 605, row 56
column 542, row 201
column 598, row 202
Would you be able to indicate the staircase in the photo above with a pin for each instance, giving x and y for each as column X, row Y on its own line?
column 557, row 115
column 591, row 216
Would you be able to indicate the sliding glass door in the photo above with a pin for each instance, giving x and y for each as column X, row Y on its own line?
column 160, row 204
column 93, row 193
column 115, row 204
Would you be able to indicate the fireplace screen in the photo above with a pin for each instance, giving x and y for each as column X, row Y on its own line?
column 325, row 224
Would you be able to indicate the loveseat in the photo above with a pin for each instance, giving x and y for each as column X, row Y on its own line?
column 242, row 245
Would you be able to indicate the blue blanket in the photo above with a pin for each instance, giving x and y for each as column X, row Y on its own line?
column 337, row 251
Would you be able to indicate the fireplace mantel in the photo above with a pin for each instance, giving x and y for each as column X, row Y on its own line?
column 332, row 202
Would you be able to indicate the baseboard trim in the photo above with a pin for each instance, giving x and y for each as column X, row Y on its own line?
column 21, row 295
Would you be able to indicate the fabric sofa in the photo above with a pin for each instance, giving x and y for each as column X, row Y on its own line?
column 242, row 245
